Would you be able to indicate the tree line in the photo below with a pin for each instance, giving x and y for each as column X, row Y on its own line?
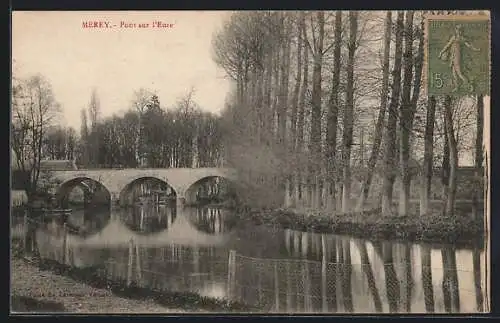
column 328, row 109
column 147, row 135
column 150, row 136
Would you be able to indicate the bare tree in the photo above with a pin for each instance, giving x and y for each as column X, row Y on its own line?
column 453, row 159
column 300, row 176
column 333, row 113
column 84, row 139
column 372, row 161
column 296, row 89
column 347, row 138
column 34, row 109
column 405, row 121
column 317, row 51
column 478, row 158
column 303, row 90
column 60, row 143
column 284, row 78
column 390, row 151
column 427, row 165
column 94, row 116
column 140, row 102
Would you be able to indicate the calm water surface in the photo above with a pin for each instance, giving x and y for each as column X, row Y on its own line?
column 282, row 270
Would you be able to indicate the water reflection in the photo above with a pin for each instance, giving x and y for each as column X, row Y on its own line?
column 367, row 268
column 450, row 281
column 149, row 218
column 425, row 252
column 282, row 270
column 86, row 222
column 210, row 220
column 476, row 263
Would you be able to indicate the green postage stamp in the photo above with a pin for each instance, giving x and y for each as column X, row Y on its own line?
column 457, row 55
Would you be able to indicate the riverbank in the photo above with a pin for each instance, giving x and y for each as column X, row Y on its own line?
column 54, row 287
column 37, row 290
column 461, row 229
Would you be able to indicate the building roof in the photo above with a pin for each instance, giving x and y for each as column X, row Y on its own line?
column 57, row 165
column 48, row 165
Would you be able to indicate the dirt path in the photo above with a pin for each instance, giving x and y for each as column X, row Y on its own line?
column 33, row 290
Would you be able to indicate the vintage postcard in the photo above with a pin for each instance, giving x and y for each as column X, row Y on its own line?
column 250, row 162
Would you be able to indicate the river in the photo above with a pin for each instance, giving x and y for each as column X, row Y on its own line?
column 204, row 250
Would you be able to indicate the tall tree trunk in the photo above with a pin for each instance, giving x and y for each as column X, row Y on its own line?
column 333, row 112
column 450, row 136
column 377, row 140
column 390, row 151
column 282, row 116
column 315, row 143
column 301, row 115
column 478, row 159
column 445, row 169
column 276, row 91
column 303, row 92
column 427, row 167
column 267, row 101
column 259, row 105
column 252, row 106
column 349, row 113
column 296, row 90
column 405, row 121
column 294, row 117
column 284, row 78
column 417, row 82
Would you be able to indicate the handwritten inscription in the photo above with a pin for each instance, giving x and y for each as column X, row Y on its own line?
column 103, row 24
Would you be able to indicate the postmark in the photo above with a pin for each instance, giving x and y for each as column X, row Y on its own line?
column 457, row 54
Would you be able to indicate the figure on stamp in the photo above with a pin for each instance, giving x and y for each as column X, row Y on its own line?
column 452, row 52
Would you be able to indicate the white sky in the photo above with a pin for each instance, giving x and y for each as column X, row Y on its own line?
column 118, row 61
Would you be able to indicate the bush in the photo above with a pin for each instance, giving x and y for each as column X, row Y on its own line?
column 460, row 229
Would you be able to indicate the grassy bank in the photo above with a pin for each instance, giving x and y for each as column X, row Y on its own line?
column 36, row 290
column 460, row 229
column 53, row 286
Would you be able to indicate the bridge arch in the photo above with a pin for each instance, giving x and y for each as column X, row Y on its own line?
column 128, row 195
column 217, row 181
column 179, row 179
column 90, row 187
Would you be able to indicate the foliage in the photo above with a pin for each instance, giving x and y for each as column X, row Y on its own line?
column 160, row 138
column 460, row 229
column 305, row 87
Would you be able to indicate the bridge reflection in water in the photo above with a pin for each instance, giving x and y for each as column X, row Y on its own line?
column 283, row 270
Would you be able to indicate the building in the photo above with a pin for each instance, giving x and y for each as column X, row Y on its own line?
column 55, row 165
column 20, row 178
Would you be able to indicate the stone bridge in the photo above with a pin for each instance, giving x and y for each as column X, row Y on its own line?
column 181, row 180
